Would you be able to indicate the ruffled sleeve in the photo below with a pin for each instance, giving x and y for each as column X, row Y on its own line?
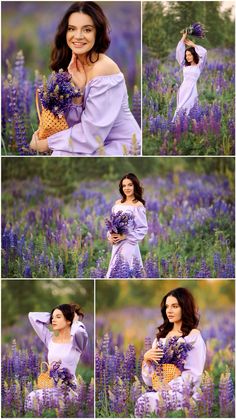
column 103, row 100
column 80, row 336
column 180, row 52
column 73, row 116
column 148, row 369
column 195, row 361
column 202, row 52
column 39, row 322
column 140, row 226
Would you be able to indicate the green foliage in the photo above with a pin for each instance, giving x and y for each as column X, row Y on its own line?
column 162, row 24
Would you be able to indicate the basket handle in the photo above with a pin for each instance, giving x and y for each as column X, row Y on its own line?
column 37, row 104
column 41, row 366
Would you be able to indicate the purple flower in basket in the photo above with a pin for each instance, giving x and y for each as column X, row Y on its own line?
column 57, row 92
column 196, row 29
column 118, row 223
column 62, row 376
column 175, row 351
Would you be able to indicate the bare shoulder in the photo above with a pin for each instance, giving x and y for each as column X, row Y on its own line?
column 195, row 332
column 139, row 204
column 105, row 66
column 118, row 201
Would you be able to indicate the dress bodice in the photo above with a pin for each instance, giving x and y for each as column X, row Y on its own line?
column 137, row 227
column 191, row 73
column 68, row 353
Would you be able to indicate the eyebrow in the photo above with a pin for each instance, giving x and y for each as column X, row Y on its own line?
column 85, row 26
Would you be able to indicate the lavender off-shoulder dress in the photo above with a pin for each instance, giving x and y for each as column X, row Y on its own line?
column 187, row 94
column 191, row 377
column 102, row 125
column 68, row 353
column 128, row 249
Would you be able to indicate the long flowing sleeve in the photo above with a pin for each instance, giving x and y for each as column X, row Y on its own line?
column 180, row 52
column 80, row 336
column 102, row 104
column 140, row 226
column 195, row 361
column 202, row 52
column 73, row 116
column 39, row 322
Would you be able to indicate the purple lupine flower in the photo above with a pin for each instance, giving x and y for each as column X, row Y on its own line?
column 118, row 223
column 175, row 351
column 57, row 93
column 226, row 395
column 196, row 29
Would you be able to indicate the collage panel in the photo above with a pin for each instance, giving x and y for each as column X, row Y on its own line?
column 188, row 77
column 47, row 348
column 162, row 349
column 71, row 78
column 64, row 218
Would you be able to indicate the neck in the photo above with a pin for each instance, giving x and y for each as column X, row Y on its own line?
column 130, row 199
column 177, row 326
column 85, row 60
column 64, row 334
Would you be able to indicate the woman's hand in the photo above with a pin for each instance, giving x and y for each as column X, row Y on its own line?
column 184, row 36
column 189, row 43
column 39, row 145
column 76, row 70
column 153, row 355
column 116, row 238
column 76, row 318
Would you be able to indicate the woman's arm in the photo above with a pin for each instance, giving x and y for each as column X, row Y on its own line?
column 39, row 322
column 140, row 226
column 148, row 368
column 100, row 111
column 180, row 50
column 195, row 362
column 79, row 334
column 202, row 53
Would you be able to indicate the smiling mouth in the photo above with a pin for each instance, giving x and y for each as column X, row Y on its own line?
column 79, row 44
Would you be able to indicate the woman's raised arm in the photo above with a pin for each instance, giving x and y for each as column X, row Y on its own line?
column 39, row 322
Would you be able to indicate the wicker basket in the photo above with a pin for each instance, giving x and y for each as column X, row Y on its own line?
column 49, row 124
column 44, row 380
column 168, row 372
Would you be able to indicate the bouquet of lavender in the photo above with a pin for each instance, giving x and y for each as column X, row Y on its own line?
column 118, row 223
column 196, row 29
column 170, row 366
column 56, row 96
column 62, row 376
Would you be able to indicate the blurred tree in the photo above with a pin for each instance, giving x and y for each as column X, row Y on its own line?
column 162, row 23
column 107, row 294
column 22, row 296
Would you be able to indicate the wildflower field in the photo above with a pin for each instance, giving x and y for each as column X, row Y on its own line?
column 26, row 58
column 127, row 332
column 209, row 129
column 22, row 354
column 190, row 228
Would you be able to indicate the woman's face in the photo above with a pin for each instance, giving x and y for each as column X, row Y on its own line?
column 128, row 188
column 173, row 310
column 189, row 56
column 59, row 321
column 81, row 33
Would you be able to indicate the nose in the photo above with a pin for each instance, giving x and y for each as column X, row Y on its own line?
column 79, row 34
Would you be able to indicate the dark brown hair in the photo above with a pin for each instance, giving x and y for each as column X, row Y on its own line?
column 190, row 316
column 61, row 53
column 68, row 311
column 194, row 54
column 138, row 190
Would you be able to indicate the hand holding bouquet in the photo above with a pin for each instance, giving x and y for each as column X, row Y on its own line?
column 197, row 29
column 118, row 223
column 62, row 376
column 171, row 365
column 56, row 96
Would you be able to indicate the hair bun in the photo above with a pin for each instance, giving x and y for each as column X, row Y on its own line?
column 77, row 309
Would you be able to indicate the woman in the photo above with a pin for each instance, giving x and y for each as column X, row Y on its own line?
column 100, row 121
column 126, row 259
column 192, row 59
column 65, row 344
column 180, row 320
